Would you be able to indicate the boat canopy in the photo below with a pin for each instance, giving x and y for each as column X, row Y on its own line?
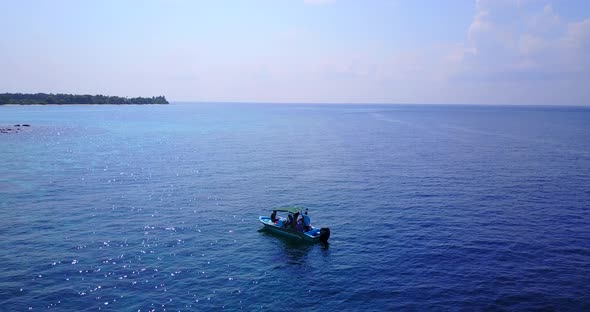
column 290, row 209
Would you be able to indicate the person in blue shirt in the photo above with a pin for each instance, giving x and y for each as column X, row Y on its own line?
column 306, row 221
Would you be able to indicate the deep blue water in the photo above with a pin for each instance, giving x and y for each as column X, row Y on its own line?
column 126, row 208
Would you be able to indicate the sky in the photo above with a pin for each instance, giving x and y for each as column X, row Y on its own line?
column 301, row 51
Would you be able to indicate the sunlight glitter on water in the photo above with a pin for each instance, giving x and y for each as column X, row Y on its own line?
column 158, row 208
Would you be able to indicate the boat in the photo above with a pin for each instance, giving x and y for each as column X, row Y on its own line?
column 313, row 234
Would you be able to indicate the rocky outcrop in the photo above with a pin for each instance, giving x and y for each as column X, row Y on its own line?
column 14, row 129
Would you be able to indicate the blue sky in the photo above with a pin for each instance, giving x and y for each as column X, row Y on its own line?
column 327, row 51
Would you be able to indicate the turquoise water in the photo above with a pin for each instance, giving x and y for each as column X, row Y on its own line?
column 121, row 208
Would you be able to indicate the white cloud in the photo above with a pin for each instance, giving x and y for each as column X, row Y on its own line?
column 524, row 43
column 514, row 52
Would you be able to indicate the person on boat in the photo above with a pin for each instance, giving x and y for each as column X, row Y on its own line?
column 273, row 216
column 293, row 223
column 306, row 221
column 299, row 226
column 295, row 219
column 289, row 222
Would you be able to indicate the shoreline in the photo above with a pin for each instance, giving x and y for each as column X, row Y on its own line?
column 69, row 99
column 78, row 104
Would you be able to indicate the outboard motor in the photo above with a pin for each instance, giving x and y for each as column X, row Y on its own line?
column 324, row 235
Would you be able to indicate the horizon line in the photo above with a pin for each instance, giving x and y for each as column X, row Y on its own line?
column 366, row 104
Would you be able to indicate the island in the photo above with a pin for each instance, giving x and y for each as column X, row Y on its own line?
column 44, row 99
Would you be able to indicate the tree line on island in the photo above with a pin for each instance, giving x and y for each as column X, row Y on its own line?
column 44, row 98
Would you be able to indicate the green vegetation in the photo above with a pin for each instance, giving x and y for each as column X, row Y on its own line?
column 43, row 98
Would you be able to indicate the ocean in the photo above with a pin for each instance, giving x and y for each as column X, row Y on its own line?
column 431, row 207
